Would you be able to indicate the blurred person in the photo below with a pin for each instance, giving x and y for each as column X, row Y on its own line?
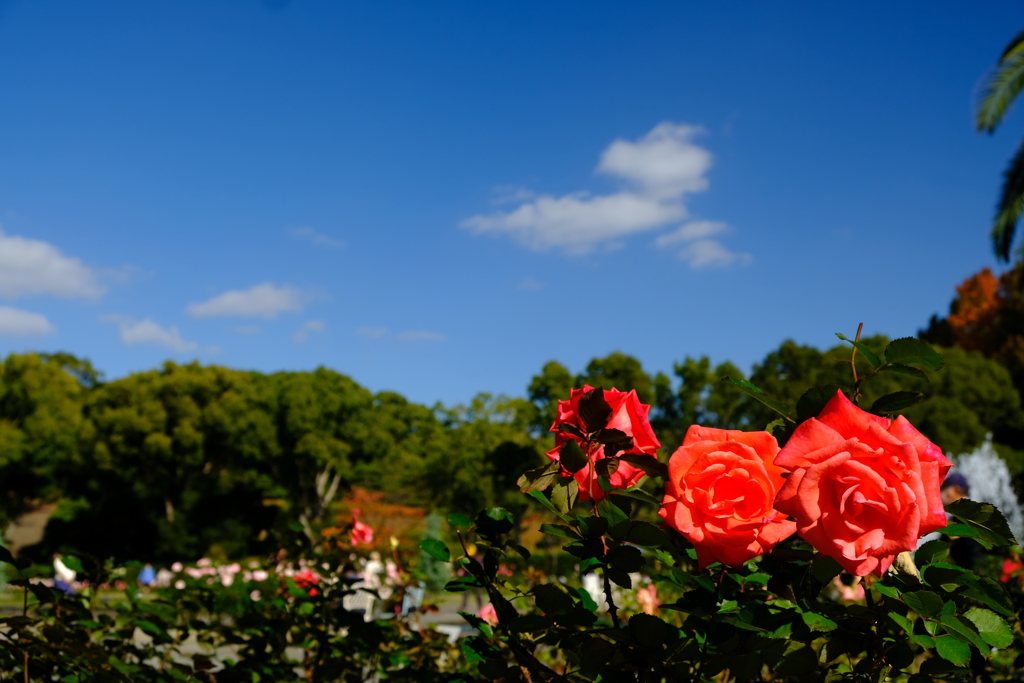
column 63, row 576
column 147, row 575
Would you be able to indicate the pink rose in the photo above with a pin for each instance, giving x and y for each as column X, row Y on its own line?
column 629, row 416
column 361, row 532
column 720, row 494
column 863, row 488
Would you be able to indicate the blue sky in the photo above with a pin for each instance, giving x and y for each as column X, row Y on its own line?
column 438, row 198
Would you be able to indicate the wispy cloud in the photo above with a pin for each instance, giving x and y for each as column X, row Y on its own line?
column 310, row 327
column 29, row 266
column 698, row 250
column 658, row 171
column 262, row 301
column 147, row 331
column 317, row 238
column 372, row 332
column 15, row 322
column 248, row 329
column 421, row 335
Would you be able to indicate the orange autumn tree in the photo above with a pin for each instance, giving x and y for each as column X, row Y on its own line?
column 387, row 519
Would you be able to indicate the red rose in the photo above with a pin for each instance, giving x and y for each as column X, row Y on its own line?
column 863, row 488
column 720, row 494
column 629, row 416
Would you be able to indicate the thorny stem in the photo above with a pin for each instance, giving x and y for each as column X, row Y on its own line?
column 612, row 609
column 528, row 664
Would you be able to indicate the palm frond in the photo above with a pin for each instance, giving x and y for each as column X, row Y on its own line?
column 1011, row 205
column 1001, row 89
column 1015, row 47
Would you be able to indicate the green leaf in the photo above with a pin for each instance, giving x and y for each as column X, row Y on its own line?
column 572, row 456
column 560, row 531
column 897, row 400
column 886, row 590
column 543, row 500
column 592, row 527
column 476, row 649
column 646, row 534
column 637, row 493
column 585, row 599
column 436, row 549
column 552, row 600
column 594, row 410
column 871, row 356
column 902, row 369
column 991, row 593
column 961, row 630
column 757, row 393
column 899, row 656
column 564, row 494
column 904, row 623
column 989, row 523
column 494, row 522
column 818, row 622
column 648, row 630
column 73, row 563
column 5, row 555
column 952, row 650
column 648, row 463
column 932, row 551
column 813, row 401
column 457, row 519
column 913, row 350
column 627, row 558
column 993, row 629
column 611, row 512
column 539, row 478
column 774, row 425
column 964, row 530
column 925, row 603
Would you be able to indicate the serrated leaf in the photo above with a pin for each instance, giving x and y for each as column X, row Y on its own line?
column 989, row 523
column 564, row 494
column 543, row 500
column 594, row 410
column 908, row 370
column 925, row 603
column 825, row 568
column 904, row 623
column 648, row 630
column 993, row 629
column 913, row 350
column 962, row 630
column 646, row 534
column 991, row 593
column 818, row 622
column 539, row 478
column 898, row 400
column 952, row 650
column 932, row 551
column 611, row 512
column 552, row 600
column 572, row 456
column 493, row 522
column 865, row 350
column 758, row 394
column 560, row 531
column 637, row 493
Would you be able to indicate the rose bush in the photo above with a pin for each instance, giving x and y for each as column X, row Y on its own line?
column 628, row 416
column 862, row 488
column 720, row 494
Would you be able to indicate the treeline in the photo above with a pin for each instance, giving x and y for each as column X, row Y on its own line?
column 191, row 460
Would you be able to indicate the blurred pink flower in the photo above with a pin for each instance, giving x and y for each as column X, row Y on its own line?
column 255, row 596
column 488, row 614
column 853, row 593
column 203, row 562
column 177, row 567
column 648, row 599
column 179, row 584
column 361, row 532
column 259, row 575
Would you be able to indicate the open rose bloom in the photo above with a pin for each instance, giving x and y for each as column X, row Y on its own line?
column 862, row 488
column 361, row 531
column 720, row 494
column 629, row 416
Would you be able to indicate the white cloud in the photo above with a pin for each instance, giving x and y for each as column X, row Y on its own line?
column 421, row 335
column 318, row 239
column 691, row 231
column 262, row 301
column 309, row 328
column 148, row 332
column 372, row 332
column 15, row 322
column 658, row 171
column 30, row 266
column 698, row 250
